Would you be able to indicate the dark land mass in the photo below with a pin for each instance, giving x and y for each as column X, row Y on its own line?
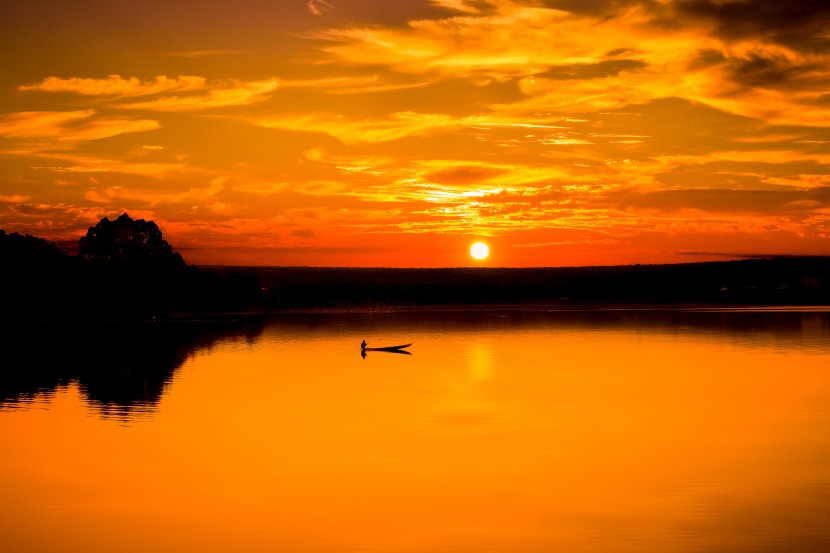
column 775, row 281
column 125, row 270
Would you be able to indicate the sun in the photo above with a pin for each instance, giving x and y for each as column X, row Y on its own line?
column 479, row 250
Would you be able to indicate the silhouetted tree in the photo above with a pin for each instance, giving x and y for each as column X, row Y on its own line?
column 27, row 249
column 128, row 241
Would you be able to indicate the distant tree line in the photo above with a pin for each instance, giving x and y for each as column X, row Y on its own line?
column 774, row 281
column 124, row 269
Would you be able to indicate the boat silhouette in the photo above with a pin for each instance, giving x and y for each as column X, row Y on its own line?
column 388, row 348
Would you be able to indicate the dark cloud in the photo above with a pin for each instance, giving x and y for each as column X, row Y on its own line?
column 742, row 175
column 674, row 125
column 763, row 202
column 304, row 233
column 463, row 175
column 608, row 68
column 598, row 8
column 768, row 71
column 707, row 58
column 764, row 70
column 798, row 24
column 824, row 99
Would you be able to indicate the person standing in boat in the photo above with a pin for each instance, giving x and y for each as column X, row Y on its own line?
column 363, row 344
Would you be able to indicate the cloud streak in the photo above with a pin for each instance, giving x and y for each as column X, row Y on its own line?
column 115, row 85
column 73, row 126
column 225, row 95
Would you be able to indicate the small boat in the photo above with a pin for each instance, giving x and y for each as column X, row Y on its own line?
column 388, row 348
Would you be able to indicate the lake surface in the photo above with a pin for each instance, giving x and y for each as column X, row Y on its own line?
column 519, row 432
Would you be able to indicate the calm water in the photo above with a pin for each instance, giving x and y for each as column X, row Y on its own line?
column 610, row 431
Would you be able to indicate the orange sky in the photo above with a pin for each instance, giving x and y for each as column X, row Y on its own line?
column 379, row 133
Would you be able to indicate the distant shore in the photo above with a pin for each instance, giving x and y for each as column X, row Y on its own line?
column 125, row 270
column 786, row 281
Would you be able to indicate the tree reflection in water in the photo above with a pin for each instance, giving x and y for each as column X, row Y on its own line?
column 121, row 368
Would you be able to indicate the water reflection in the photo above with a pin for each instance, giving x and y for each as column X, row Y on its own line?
column 784, row 327
column 122, row 369
column 506, row 432
column 366, row 351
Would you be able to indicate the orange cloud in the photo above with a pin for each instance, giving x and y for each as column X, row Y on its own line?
column 14, row 198
column 115, row 85
column 152, row 198
column 455, row 5
column 351, row 131
column 40, row 123
column 89, row 164
column 543, row 46
column 318, row 7
column 74, row 126
column 234, row 93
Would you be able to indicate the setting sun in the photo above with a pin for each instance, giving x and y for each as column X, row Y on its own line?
column 479, row 250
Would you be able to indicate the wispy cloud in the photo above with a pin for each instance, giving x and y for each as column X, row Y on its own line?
column 456, row 5
column 115, row 85
column 189, row 54
column 14, row 198
column 399, row 125
column 319, row 7
column 40, row 123
column 205, row 194
column 351, row 131
column 193, row 93
column 87, row 164
column 69, row 126
column 234, row 93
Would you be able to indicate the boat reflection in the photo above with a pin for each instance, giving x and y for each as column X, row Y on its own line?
column 386, row 349
column 382, row 350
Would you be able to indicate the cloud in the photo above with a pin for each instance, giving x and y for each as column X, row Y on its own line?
column 200, row 195
column 193, row 93
column 352, row 131
column 233, row 93
column 40, row 123
column 73, row 163
column 204, row 53
column 72, row 126
column 515, row 40
column 784, row 202
column 468, row 174
column 350, row 84
column 741, row 56
column 318, row 7
column 797, row 24
column 54, row 221
column 115, row 85
column 14, row 198
column 599, row 70
column 462, row 6
column 398, row 125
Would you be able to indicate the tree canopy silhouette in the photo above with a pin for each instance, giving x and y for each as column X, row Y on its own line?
column 27, row 250
column 124, row 269
column 130, row 241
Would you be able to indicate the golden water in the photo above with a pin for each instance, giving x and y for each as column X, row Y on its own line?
column 502, row 432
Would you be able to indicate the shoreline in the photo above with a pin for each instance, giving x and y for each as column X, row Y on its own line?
column 239, row 317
